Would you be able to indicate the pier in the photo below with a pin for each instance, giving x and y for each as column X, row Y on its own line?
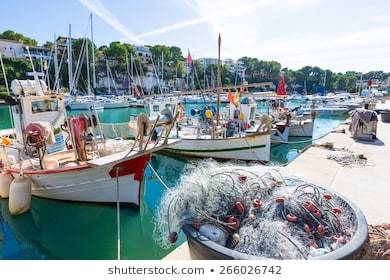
column 367, row 186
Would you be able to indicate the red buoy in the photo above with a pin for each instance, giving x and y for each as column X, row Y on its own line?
column 172, row 237
column 327, row 196
column 234, row 223
column 292, row 218
column 336, row 210
column 239, row 207
column 242, row 178
column 196, row 226
column 257, row 203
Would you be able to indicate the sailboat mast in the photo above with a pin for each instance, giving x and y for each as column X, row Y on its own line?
column 218, row 76
column 56, row 70
column 93, row 57
column 70, row 67
column 88, row 76
column 127, row 72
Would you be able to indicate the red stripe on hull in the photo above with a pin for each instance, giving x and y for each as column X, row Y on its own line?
column 134, row 166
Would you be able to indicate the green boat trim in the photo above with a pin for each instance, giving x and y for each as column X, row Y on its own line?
column 214, row 150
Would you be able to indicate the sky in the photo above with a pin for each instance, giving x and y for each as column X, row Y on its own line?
column 333, row 34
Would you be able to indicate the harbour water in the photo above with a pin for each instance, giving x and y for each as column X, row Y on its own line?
column 63, row 230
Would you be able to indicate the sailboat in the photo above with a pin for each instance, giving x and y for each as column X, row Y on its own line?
column 224, row 136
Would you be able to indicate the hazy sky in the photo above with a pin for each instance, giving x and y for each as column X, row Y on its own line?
column 336, row 34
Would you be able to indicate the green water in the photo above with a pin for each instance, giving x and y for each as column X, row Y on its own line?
column 63, row 230
column 5, row 120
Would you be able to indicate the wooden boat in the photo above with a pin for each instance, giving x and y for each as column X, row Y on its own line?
column 77, row 163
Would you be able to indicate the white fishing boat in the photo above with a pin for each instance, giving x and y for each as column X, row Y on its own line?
column 115, row 103
column 301, row 127
column 224, row 136
column 325, row 110
column 84, row 103
column 68, row 159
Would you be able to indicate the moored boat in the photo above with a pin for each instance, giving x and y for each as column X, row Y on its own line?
column 69, row 158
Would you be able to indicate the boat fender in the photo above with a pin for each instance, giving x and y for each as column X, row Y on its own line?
column 214, row 233
column 19, row 195
column 5, row 182
column 143, row 124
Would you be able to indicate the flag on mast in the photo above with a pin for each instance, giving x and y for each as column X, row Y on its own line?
column 281, row 90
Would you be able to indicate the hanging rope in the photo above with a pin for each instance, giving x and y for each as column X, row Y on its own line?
column 158, row 177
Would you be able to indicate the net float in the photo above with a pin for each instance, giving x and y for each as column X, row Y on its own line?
column 327, row 196
column 251, row 217
column 242, row 178
column 279, row 200
column 292, row 218
column 236, row 237
column 233, row 222
column 317, row 213
column 172, row 237
column 196, row 226
column 336, row 210
column 321, row 230
column 239, row 206
column 306, row 228
column 310, row 206
column 257, row 203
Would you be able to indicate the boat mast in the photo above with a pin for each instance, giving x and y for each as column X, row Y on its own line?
column 70, row 70
column 93, row 57
column 87, row 58
column 56, row 80
column 218, row 76
column 127, row 72
column 108, row 78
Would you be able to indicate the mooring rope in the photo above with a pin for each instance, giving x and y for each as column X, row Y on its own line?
column 158, row 177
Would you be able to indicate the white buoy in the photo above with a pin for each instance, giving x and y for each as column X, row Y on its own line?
column 5, row 182
column 19, row 195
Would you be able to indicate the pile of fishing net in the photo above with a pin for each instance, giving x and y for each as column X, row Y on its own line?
column 256, row 211
column 348, row 158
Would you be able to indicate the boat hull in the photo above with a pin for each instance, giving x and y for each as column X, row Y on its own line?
column 115, row 105
column 254, row 147
column 92, row 184
column 302, row 128
column 84, row 106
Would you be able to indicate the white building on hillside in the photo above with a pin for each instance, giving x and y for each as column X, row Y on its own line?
column 143, row 53
column 206, row 61
column 235, row 67
column 15, row 49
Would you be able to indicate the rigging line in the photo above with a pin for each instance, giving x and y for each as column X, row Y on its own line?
column 158, row 177
column 155, row 71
